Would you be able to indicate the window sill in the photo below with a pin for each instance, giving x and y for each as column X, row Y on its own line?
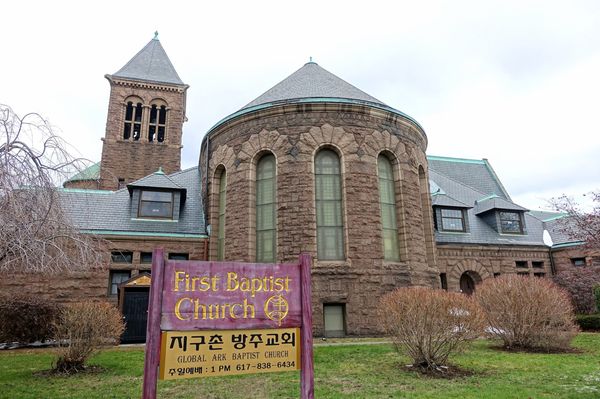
column 154, row 220
column 331, row 263
column 462, row 233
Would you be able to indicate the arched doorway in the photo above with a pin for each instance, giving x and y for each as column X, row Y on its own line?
column 468, row 281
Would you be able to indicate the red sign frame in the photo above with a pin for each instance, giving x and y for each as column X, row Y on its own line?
column 199, row 295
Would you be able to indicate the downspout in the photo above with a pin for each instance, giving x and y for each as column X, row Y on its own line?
column 552, row 265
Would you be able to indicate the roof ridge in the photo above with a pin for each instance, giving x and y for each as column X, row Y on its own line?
column 452, row 159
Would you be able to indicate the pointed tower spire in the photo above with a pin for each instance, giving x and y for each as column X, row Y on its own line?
column 151, row 64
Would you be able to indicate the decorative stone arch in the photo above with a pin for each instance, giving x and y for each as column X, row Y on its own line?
column 377, row 141
column 328, row 136
column 257, row 144
column 475, row 269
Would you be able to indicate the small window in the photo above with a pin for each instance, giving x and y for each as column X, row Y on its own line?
column 179, row 256
column 146, row 257
column 453, row 220
column 334, row 320
column 156, row 204
column 444, row 281
column 496, row 275
column 539, row 275
column 157, row 123
column 537, row 264
column 116, row 278
column 521, row 264
column 121, row 183
column 121, row 257
column 578, row 261
column 523, row 273
column 511, row 222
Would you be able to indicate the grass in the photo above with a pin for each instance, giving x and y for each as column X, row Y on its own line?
column 341, row 371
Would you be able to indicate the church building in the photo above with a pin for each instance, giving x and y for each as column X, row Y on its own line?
column 313, row 165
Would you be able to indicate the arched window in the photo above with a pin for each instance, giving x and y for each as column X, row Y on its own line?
column 157, row 123
column 387, row 202
column 133, row 121
column 328, row 200
column 266, row 218
column 221, row 232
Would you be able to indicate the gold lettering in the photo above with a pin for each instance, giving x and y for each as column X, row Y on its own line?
column 177, row 308
column 215, row 279
column 232, row 313
column 197, row 307
column 248, row 307
column 178, row 280
column 232, row 283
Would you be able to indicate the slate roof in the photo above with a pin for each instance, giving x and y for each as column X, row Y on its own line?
column 109, row 212
column 476, row 173
column 312, row 81
column 157, row 179
column 151, row 64
column 439, row 199
column 451, row 175
column 495, row 202
column 90, row 173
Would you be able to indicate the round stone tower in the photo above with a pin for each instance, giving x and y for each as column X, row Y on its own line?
column 316, row 165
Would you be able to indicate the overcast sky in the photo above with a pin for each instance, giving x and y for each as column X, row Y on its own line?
column 516, row 82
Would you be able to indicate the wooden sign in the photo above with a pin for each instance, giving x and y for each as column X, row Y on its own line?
column 225, row 318
column 195, row 354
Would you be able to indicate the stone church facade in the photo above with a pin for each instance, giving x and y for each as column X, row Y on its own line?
column 313, row 165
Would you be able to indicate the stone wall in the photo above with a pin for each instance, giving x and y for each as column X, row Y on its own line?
column 131, row 160
column 294, row 133
column 489, row 261
column 71, row 287
column 563, row 257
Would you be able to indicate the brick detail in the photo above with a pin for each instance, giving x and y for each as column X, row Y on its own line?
column 131, row 160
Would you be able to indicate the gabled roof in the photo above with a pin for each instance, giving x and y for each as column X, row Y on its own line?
column 157, row 179
column 312, row 81
column 495, row 202
column 90, row 173
column 457, row 186
column 475, row 173
column 151, row 64
column 109, row 212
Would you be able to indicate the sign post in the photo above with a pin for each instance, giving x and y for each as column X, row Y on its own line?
column 226, row 318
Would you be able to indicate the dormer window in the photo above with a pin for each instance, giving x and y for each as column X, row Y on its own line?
column 511, row 222
column 452, row 220
column 156, row 204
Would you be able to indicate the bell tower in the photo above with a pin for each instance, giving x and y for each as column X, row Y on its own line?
column 146, row 111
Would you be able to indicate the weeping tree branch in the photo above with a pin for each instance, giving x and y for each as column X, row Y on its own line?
column 580, row 225
column 36, row 234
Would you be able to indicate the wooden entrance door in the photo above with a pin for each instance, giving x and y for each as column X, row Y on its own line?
column 135, row 313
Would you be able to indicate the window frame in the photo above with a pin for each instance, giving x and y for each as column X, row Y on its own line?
column 324, row 231
column 520, row 221
column 160, row 122
column 120, row 257
column 178, row 256
column 112, row 273
column 142, row 200
column 221, row 215
column 387, row 183
column 463, row 219
column 269, row 205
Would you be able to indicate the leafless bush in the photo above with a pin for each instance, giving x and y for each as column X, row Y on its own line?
column 36, row 234
column 579, row 283
column 428, row 325
column 527, row 312
column 81, row 329
column 26, row 318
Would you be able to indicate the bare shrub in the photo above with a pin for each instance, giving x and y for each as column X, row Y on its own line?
column 81, row 329
column 428, row 325
column 26, row 318
column 579, row 283
column 527, row 312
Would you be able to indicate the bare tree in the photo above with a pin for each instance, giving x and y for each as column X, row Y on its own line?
column 36, row 234
column 580, row 225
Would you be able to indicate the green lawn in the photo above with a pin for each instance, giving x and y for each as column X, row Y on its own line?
column 341, row 371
